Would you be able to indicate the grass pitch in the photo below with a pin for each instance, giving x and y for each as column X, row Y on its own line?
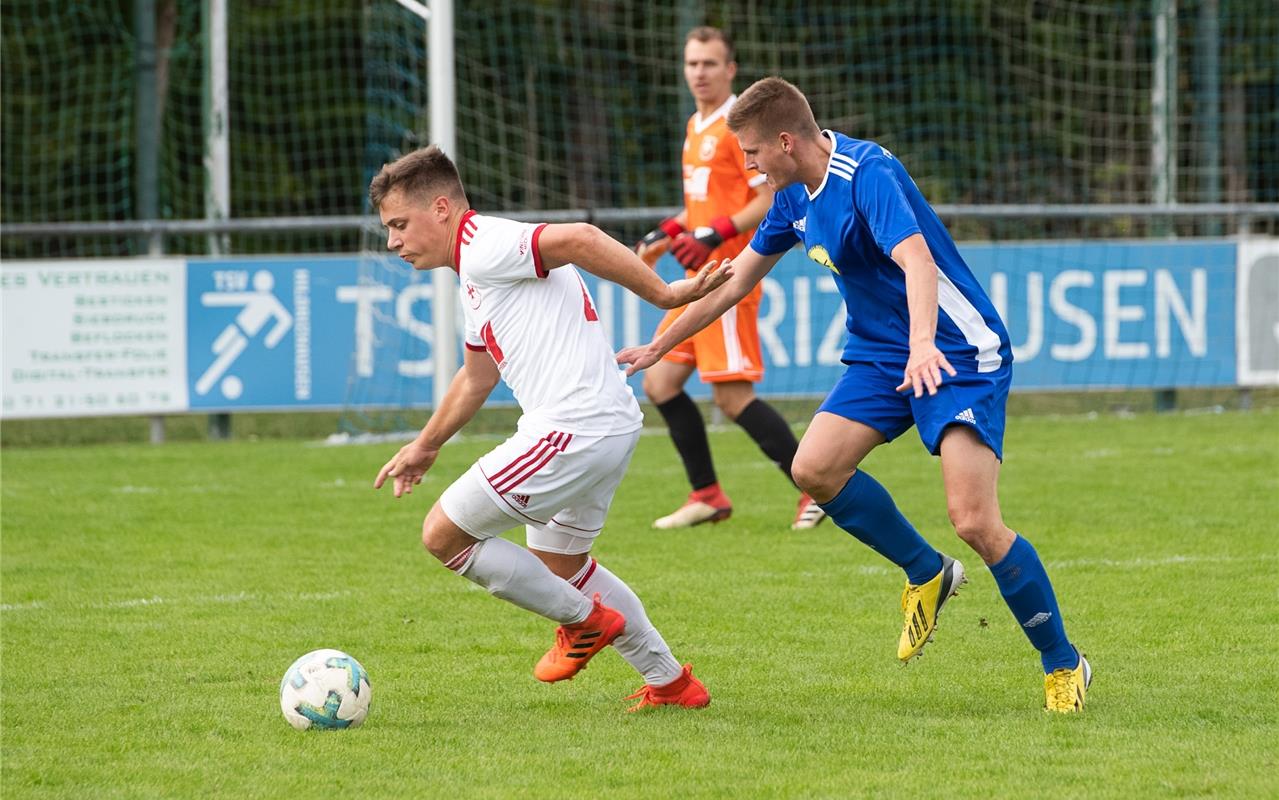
column 152, row 597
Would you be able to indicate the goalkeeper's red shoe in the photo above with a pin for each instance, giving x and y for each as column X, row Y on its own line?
column 576, row 644
column 808, row 514
column 685, row 691
column 703, row 505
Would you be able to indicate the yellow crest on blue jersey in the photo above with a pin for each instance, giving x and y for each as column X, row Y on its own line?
column 819, row 254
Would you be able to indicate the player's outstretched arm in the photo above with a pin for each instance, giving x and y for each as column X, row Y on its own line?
column 600, row 254
column 926, row 363
column 749, row 268
column 470, row 387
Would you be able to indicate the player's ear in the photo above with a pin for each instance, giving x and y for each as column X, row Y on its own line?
column 440, row 208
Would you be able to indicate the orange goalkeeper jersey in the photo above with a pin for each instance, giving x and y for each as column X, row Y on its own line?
column 716, row 181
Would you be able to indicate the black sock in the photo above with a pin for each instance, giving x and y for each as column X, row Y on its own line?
column 688, row 431
column 770, row 432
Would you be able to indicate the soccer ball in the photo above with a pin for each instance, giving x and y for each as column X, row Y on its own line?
column 325, row 689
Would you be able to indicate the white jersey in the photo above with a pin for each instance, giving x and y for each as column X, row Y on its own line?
column 541, row 328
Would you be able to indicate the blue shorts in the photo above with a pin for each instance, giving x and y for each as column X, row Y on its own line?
column 866, row 393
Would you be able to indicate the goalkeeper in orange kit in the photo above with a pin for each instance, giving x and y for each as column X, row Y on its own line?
column 723, row 202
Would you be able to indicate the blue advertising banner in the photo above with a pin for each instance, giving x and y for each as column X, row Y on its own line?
column 1114, row 314
column 1080, row 315
column 130, row 336
column 274, row 333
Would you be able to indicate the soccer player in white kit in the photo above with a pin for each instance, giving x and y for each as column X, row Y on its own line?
column 530, row 321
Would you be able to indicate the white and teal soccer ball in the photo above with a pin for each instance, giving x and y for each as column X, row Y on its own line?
column 325, row 689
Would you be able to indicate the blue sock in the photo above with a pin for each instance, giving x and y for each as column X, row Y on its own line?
column 1029, row 595
column 864, row 509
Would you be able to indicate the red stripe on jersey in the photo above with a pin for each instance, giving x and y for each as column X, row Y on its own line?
column 591, row 316
column 477, row 347
column 457, row 244
column 537, row 253
column 486, row 333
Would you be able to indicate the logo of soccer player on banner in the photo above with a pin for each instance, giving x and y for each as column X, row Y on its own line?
column 259, row 307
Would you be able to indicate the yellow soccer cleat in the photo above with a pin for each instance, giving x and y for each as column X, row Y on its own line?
column 1064, row 689
column 921, row 604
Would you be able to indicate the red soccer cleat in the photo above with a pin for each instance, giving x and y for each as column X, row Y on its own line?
column 576, row 644
column 685, row 691
column 703, row 505
column 808, row 514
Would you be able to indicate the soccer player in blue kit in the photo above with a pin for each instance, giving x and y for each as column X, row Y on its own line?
column 925, row 348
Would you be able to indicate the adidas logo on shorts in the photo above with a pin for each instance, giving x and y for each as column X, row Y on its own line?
column 966, row 416
column 520, row 500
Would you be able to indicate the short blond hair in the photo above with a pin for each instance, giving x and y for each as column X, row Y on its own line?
column 421, row 175
column 769, row 107
column 705, row 33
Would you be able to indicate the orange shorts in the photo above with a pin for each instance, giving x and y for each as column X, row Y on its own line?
column 727, row 349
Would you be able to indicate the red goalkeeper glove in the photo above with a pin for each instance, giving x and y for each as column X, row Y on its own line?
column 667, row 228
column 655, row 242
column 691, row 249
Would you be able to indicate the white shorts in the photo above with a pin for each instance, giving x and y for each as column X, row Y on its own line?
column 559, row 485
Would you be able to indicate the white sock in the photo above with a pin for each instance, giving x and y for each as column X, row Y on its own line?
column 517, row 576
column 640, row 643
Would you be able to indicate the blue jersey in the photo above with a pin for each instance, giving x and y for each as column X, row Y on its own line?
column 866, row 205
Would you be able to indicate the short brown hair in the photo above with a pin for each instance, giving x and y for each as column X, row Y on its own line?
column 771, row 106
column 421, row 175
column 705, row 33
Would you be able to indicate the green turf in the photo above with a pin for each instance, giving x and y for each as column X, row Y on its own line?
column 153, row 597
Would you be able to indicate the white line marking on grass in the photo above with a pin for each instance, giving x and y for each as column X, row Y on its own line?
column 324, row 595
column 238, row 597
column 142, row 601
column 34, row 605
column 1166, row 561
column 156, row 600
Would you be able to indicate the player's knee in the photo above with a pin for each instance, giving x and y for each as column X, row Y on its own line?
column 657, row 390
column 732, row 404
column 811, row 478
column 436, row 536
column 973, row 523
